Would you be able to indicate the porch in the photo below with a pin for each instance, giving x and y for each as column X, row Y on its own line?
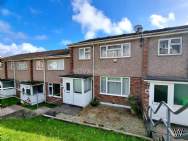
column 32, row 92
column 7, row 88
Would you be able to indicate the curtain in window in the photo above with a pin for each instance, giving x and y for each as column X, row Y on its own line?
column 81, row 53
column 114, row 87
column 56, row 64
column 125, row 87
column 103, row 84
column 77, row 85
column 103, row 51
column 126, row 50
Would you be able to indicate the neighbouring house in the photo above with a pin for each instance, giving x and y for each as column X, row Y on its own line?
column 151, row 65
column 36, row 75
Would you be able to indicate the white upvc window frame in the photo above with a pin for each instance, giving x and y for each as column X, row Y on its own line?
column 121, row 81
column 52, row 95
column 12, row 65
column 107, row 46
column 41, row 67
column 169, row 46
column 84, row 49
column 18, row 67
column 57, row 69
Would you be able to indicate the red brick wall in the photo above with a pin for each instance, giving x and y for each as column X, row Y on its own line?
column 71, row 60
column 134, row 90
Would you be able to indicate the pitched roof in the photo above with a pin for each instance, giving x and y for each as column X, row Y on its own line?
column 133, row 34
column 38, row 54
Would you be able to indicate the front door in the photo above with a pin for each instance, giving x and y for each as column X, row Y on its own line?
column 159, row 92
column 68, row 96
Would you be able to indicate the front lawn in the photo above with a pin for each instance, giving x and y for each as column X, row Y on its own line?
column 44, row 129
column 34, row 107
column 9, row 101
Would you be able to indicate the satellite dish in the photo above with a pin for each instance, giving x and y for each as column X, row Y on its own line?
column 138, row 28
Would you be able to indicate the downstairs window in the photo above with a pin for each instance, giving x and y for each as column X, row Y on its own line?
column 117, row 86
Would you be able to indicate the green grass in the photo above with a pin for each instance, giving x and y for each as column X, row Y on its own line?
column 8, row 101
column 44, row 129
column 33, row 107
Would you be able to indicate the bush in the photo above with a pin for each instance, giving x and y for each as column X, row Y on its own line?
column 95, row 102
column 135, row 105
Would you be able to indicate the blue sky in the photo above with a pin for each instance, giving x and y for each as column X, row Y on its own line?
column 37, row 25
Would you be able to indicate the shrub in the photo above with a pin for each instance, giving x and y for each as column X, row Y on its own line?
column 135, row 105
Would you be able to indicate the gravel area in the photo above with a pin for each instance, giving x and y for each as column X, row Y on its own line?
column 119, row 119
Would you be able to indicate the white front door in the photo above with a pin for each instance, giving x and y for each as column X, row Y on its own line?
column 159, row 92
column 68, row 96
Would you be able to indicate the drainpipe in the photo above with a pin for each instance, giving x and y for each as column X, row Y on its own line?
column 44, row 76
column 93, row 71
column 14, row 73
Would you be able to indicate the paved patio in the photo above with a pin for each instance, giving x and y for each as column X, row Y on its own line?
column 10, row 110
column 119, row 119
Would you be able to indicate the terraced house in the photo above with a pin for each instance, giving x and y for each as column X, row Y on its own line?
column 151, row 65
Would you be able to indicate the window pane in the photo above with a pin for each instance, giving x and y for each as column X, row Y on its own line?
column 160, row 93
column 125, row 87
column 103, row 51
column 67, row 86
column 28, row 91
column 56, row 89
column 87, row 55
column 114, row 79
column 103, row 84
column 50, row 90
column 77, row 85
column 55, row 64
column 87, row 85
column 7, row 84
column 163, row 47
column 81, row 53
column 175, row 49
column 114, row 88
column 37, row 89
column 176, row 41
column 39, row 65
column 180, row 94
column 114, row 51
column 21, row 66
column 126, row 50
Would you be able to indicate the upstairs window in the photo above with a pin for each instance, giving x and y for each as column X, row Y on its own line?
column 55, row 64
column 116, row 51
column 39, row 65
column 12, row 65
column 21, row 66
column 84, row 53
column 171, row 46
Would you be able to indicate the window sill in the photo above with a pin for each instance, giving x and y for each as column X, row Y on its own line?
column 169, row 54
column 54, row 96
column 126, row 96
column 84, row 59
column 115, row 57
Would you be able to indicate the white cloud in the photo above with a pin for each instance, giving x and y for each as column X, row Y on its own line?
column 65, row 42
column 94, row 20
column 160, row 21
column 34, row 11
column 41, row 37
column 7, row 12
column 12, row 49
column 7, row 32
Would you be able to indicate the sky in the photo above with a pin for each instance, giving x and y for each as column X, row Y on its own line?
column 39, row 25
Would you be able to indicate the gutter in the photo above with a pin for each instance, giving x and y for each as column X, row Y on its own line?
column 134, row 37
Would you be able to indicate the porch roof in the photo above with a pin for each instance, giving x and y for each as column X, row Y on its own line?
column 166, row 78
column 84, row 76
column 5, row 80
column 31, row 82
